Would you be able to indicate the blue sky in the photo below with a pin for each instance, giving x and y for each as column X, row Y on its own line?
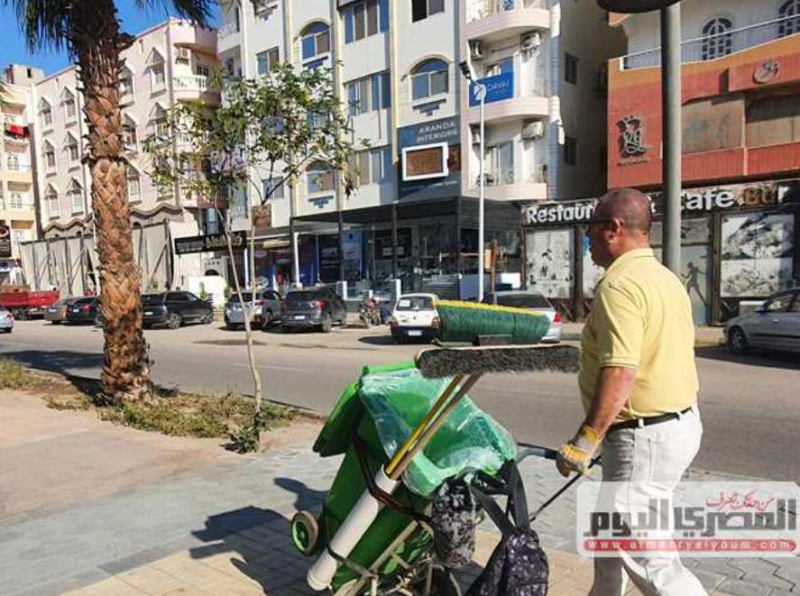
column 13, row 48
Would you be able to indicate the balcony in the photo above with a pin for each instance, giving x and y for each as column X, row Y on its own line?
column 489, row 20
column 512, row 185
column 712, row 47
column 514, row 108
column 13, row 171
column 228, row 36
column 195, row 88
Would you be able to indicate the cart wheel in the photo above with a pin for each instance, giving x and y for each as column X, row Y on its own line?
column 305, row 532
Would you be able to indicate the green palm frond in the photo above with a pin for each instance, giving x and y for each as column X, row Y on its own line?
column 44, row 23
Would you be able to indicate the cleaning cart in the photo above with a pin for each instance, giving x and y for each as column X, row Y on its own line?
column 403, row 431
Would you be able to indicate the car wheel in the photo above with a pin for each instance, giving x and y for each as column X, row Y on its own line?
column 327, row 324
column 266, row 321
column 207, row 318
column 174, row 321
column 737, row 341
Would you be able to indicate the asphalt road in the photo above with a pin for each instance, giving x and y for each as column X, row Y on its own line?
column 750, row 406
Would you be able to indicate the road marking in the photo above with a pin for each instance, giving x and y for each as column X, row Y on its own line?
column 271, row 366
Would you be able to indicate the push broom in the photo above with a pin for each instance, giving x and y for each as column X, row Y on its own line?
column 462, row 322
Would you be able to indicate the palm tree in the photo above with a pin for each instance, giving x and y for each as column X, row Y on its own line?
column 90, row 31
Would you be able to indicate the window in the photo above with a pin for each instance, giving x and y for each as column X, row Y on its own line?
column 266, row 61
column 230, row 67
column 570, row 69
column 126, row 84
column 157, row 76
column 369, row 94
column 160, row 123
column 202, row 70
column 49, row 156
column 502, row 67
column 571, row 151
column 75, row 196
column 365, row 19
column 319, row 178
column 46, row 114
column 790, row 13
column 272, row 188
column 500, row 164
column 316, row 40
column 17, row 237
column 372, row 166
column 779, row 303
column 422, row 9
column 134, row 186
column 51, row 200
column 129, row 136
column 12, row 161
column 717, row 39
column 429, row 79
column 69, row 105
column 72, row 149
column 16, row 201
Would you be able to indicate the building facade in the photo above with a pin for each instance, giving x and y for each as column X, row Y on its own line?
column 741, row 157
column 396, row 68
column 165, row 65
column 17, row 190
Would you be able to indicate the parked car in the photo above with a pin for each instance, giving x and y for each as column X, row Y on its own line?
column 312, row 308
column 173, row 309
column 415, row 317
column 58, row 312
column 83, row 310
column 6, row 320
column 263, row 308
column 530, row 300
column 774, row 325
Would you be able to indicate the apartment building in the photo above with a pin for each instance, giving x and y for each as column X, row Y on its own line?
column 17, row 192
column 741, row 154
column 396, row 67
column 165, row 65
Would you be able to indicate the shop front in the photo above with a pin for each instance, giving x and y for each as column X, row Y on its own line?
column 737, row 244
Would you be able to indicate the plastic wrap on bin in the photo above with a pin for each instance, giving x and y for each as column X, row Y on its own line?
column 469, row 439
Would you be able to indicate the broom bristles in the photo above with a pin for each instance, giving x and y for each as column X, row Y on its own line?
column 444, row 362
column 466, row 321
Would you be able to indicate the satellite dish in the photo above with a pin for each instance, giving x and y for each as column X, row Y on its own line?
column 634, row 6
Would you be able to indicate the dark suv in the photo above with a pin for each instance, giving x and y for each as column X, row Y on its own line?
column 172, row 309
column 312, row 308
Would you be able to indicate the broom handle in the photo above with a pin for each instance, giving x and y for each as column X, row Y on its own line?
column 429, row 432
column 432, row 413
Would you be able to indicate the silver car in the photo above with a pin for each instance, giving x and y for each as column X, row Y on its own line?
column 263, row 307
column 531, row 300
column 6, row 320
column 774, row 325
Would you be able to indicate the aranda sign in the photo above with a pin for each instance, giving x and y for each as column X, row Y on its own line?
column 693, row 201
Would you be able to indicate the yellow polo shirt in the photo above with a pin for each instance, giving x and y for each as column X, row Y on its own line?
column 641, row 318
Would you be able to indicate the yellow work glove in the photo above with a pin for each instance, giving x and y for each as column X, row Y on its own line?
column 576, row 455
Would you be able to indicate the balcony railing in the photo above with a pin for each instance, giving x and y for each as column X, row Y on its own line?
column 496, row 177
column 13, row 166
column 537, row 175
column 716, row 46
column 227, row 30
column 192, row 83
column 480, row 9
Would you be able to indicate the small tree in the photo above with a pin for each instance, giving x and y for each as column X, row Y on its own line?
column 268, row 128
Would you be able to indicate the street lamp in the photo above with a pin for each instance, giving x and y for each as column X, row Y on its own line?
column 469, row 73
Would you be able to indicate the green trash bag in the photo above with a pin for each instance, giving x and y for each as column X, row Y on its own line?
column 469, row 438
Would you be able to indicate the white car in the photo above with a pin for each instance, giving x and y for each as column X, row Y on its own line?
column 775, row 325
column 415, row 317
column 6, row 321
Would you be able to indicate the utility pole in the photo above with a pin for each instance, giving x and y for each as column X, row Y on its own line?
column 671, row 116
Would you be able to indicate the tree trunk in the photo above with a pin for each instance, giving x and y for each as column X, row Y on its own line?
column 97, row 42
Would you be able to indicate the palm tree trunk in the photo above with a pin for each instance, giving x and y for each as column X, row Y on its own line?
column 97, row 42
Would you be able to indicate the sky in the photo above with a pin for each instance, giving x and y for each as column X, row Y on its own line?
column 14, row 50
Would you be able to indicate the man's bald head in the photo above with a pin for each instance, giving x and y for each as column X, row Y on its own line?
column 628, row 205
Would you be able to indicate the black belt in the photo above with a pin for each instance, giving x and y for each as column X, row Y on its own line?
column 649, row 421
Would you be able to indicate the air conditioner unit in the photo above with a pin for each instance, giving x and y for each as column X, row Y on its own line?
column 531, row 41
column 184, row 54
column 476, row 50
column 533, row 130
column 476, row 135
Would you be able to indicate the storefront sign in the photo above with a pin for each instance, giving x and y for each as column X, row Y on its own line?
column 5, row 242
column 766, row 71
column 498, row 88
column 430, row 157
column 209, row 243
column 559, row 213
column 631, row 141
column 262, row 216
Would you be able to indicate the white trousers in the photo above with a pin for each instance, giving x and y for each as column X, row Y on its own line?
column 654, row 459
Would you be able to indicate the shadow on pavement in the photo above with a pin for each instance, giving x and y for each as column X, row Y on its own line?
column 259, row 543
column 377, row 340
column 65, row 363
column 764, row 358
